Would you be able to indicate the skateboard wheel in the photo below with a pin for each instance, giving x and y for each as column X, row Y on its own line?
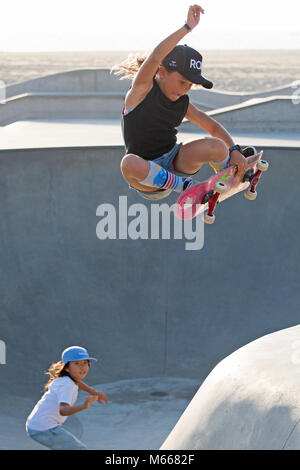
column 250, row 195
column 209, row 219
column 262, row 165
column 220, row 187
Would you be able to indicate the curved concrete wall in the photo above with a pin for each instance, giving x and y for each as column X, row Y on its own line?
column 220, row 98
column 74, row 81
column 61, row 106
column 101, row 80
column 277, row 113
column 97, row 93
column 145, row 307
column 250, row 401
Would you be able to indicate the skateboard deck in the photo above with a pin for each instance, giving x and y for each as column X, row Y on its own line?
column 199, row 198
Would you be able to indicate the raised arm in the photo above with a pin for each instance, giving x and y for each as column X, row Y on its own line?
column 143, row 78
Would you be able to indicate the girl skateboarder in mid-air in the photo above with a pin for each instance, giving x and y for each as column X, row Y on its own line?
column 157, row 102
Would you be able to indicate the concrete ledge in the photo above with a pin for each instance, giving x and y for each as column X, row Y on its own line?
column 61, row 105
column 74, row 81
column 52, row 133
column 249, row 401
column 97, row 92
column 220, row 98
column 95, row 80
column 275, row 113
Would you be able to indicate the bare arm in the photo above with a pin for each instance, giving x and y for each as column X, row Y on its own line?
column 100, row 395
column 215, row 129
column 142, row 82
column 67, row 410
column 202, row 120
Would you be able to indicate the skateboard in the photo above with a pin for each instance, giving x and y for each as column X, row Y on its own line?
column 224, row 184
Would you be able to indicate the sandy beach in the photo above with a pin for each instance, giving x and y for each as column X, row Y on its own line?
column 237, row 71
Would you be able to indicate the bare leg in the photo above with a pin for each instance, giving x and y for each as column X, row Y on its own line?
column 135, row 169
column 189, row 160
column 194, row 154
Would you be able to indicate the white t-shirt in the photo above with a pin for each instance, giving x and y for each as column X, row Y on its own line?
column 45, row 415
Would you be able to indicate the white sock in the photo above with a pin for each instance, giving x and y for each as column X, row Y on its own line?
column 218, row 166
column 160, row 178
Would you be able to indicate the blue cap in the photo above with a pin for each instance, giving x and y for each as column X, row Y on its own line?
column 75, row 353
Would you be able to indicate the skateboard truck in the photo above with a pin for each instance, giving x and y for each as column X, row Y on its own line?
column 253, row 179
column 212, row 199
column 205, row 196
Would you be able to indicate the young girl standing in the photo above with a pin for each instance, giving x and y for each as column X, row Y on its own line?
column 44, row 424
column 157, row 102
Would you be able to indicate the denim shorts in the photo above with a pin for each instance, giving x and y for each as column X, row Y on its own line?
column 167, row 162
column 56, row 439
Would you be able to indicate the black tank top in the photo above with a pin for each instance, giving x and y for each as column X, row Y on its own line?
column 149, row 130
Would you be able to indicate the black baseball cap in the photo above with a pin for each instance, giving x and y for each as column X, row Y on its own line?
column 188, row 62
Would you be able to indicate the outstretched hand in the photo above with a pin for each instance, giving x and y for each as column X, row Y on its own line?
column 193, row 16
column 101, row 397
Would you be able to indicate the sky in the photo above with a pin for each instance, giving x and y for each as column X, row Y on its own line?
column 66, row 25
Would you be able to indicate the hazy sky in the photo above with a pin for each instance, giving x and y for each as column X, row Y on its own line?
column 37, row 25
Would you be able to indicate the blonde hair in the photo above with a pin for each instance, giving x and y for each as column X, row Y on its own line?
column 130, row 67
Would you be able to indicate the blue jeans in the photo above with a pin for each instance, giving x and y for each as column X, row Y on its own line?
column 57, row 439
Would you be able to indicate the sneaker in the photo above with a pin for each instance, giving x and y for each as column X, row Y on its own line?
column 248, row 151
column 188, row 183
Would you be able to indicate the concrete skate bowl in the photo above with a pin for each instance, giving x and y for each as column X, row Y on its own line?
column 146, row 307
column 97, row 93
column 250, row 401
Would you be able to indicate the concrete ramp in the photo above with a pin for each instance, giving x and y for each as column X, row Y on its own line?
column 275, row 114
column 221, row 98
column 250, row 401
column 146, row 307
column 98, row 93
column 74, row 81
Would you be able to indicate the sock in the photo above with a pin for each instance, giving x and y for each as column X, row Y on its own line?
column 218, row 166
column 160, row 178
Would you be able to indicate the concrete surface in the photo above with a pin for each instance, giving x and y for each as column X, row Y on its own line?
column 272, row 114
column 250, row 401
column 220, row 98
column 140, row 415
column 146, row 308
column 102, row 80
column 74, row 81
column 47, row 133
column 61, row 105
column 97, row 93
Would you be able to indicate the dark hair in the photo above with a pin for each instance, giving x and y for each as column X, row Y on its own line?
column 57, row 369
